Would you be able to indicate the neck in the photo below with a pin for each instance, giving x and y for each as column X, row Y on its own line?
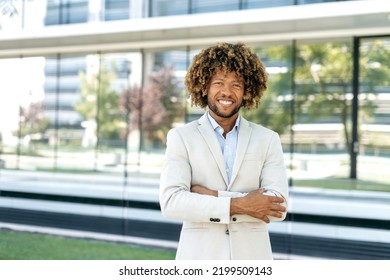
column 226, row 123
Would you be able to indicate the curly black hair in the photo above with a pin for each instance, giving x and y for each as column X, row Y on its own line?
column 226, row 57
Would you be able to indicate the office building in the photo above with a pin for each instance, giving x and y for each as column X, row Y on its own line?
column 67, row 65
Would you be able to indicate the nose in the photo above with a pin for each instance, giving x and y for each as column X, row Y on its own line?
column 225, row 90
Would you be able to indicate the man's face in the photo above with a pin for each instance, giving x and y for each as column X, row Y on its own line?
column 225, row 94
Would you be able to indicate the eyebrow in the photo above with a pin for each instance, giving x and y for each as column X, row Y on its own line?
column 220, row 77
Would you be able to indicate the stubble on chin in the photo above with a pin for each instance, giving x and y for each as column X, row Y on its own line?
column 220, row 114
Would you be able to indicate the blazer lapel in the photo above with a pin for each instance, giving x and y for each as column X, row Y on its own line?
column 208, row 134
column 244, row 135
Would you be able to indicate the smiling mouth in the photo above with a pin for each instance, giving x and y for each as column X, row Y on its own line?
column 225, row 102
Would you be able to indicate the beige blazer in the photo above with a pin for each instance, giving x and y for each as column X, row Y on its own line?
column 193, row 156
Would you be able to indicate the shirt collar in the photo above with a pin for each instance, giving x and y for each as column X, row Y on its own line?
column 217, row 127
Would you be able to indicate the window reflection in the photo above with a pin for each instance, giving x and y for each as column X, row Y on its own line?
column 323, row 113
column 66, row 12
column 374, row 113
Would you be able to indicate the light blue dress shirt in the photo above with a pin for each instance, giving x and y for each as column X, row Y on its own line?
column 228, row 144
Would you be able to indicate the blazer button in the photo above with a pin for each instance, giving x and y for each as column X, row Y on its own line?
column 217, row 220
column 212, row 220
column 234, row 219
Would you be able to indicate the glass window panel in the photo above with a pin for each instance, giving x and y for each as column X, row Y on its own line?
column 116, row 10
column 61, row 87
column 114, row 141
column 322, row 131
column 206, row 6
column 300, row 2
column 13, row 94
column 374, row 114
column 163, row 103
column 168, row 7
column 66, row 12
column 25, row 123
column 254, row 4
column 318, row 1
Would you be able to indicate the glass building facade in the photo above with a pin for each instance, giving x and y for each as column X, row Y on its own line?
column 103, row 114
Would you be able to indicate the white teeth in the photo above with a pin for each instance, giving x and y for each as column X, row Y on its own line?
column 225, row 102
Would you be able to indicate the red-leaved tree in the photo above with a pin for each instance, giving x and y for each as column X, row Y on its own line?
column 153, row 108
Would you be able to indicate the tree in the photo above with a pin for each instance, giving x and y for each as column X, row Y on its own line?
column 33, row 124
column 99, row 102
column 325, row 79
column 33, row 120
column 154, row 107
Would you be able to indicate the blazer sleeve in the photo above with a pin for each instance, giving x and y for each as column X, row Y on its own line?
column 176, row 200
column 273, row 179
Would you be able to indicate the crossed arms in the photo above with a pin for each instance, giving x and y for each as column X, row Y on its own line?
column 255, row 203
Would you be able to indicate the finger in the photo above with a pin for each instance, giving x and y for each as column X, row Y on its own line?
column 279, row 208
column 276, row 199
column 276, row 214
column 265, row 219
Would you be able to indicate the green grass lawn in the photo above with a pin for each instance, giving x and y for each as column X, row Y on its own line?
column 31, row 246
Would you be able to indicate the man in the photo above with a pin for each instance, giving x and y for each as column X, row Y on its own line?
column 223, row 176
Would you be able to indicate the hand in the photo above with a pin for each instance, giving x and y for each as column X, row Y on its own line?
column 203, row 190
column 258, row 205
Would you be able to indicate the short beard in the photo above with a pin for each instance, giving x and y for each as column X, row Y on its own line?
column 215, row 110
